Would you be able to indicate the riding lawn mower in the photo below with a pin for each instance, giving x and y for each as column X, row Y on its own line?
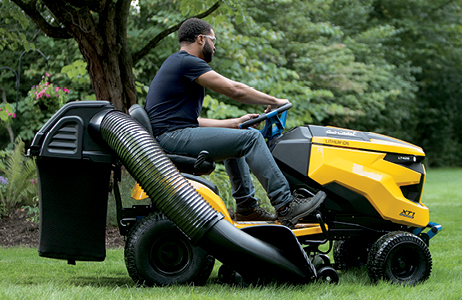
column 372, row 216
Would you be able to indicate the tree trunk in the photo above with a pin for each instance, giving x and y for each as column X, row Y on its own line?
column 104, row 47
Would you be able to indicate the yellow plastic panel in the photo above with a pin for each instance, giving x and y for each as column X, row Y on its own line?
column 369, row 175
column 301, row 229
column 138, row 193
column 213, row 199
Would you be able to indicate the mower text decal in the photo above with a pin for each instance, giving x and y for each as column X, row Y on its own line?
column 346, row 133
column 407, row 214
column 337, row 142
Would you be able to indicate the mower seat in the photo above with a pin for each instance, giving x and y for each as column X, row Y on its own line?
column 200, row 165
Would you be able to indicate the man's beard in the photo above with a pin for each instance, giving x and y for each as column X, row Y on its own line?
column 207, row 51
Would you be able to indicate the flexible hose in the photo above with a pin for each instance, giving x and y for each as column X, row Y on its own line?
column 147, row 163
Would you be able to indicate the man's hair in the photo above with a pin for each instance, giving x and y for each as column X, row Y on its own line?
column 191, row 28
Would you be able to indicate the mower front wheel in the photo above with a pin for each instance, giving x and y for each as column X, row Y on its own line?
column 158, row 253
column 400, row 257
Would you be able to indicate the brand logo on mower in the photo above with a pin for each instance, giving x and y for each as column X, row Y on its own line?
column 347, row 133
column 407, row 214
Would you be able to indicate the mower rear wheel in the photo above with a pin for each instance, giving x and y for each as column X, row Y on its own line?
column 158, row 253
column 400, row 257
column 351, row 253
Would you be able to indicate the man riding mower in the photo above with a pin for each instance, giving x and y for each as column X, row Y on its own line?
column 372, row 213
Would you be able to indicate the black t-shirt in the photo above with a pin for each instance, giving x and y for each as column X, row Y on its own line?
column 174, row 99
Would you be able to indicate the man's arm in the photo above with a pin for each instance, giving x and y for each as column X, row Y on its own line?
column 227, row 123
column 237, row 90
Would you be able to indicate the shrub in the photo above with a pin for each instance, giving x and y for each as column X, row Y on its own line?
column 18, row 185
column 41, row 103
column 6, row 118
column 46, row 96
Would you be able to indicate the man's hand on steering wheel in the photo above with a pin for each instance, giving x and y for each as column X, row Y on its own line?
column 255, row 121
column 248, row 117
column 280, row 102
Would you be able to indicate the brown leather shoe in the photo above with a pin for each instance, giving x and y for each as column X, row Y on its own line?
column 255, row 214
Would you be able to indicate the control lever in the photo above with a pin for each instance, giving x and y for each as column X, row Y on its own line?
column 203, row 155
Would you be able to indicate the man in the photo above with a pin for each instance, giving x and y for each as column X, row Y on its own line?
column 174, row 102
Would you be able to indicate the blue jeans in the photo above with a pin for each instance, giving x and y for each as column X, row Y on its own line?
column 239, row 149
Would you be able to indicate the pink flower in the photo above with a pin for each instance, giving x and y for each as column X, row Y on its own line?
column 57, row 89
column 66, row 90
column 47, row 83
column 48, row 96
column 47, row 74
column 14, row 115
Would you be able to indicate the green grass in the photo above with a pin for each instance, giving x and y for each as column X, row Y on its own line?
column 25, row 275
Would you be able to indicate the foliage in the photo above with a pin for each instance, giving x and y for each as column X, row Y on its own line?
column 77, row 71
column 424, row 45
column 33, row 212
column 19, row 181
column 216, row 109
column 6, row 113
column 7, row 116
column 46, row 96
column 220, row 178
column 12, row 23
column 42, row 102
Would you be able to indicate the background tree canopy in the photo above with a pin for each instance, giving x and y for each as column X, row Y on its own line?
column 392, row 67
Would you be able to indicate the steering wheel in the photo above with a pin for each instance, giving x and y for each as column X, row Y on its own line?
column 274, row 125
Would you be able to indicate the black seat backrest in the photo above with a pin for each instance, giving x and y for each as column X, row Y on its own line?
column 138, row 113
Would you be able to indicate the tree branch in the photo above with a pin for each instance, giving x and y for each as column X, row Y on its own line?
column 153, row 43
column 96, row 6
column 122, row 14
column 48, row 29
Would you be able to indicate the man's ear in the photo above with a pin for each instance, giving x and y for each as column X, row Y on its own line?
column 200, row 39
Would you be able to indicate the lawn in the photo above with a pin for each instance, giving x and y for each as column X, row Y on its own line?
column 24, row 275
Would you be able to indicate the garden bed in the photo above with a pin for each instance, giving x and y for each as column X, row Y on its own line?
column 17, row 231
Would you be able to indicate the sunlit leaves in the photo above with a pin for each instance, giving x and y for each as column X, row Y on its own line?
column 12, row 23
column 77, row 71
